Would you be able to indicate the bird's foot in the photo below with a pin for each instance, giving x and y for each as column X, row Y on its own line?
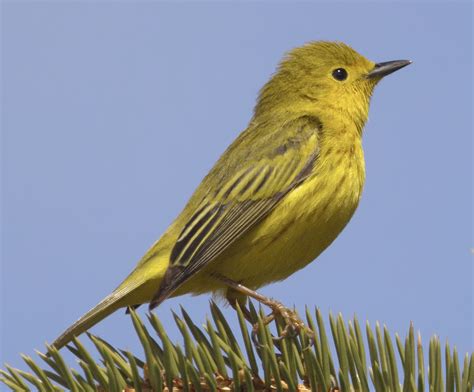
column 293, row 323
column 237, row 295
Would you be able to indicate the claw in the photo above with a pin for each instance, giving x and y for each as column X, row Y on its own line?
column 288, row 331
column 311, row 339
column 266, row 320
column 255, row 336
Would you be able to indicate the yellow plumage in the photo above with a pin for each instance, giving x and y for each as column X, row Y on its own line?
column 278, row 196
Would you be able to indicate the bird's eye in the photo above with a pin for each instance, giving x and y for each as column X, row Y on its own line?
column 339, row 74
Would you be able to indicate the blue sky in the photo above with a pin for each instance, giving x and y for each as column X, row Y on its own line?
column 113, row 112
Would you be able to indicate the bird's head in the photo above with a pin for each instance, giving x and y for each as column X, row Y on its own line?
column 325, row 78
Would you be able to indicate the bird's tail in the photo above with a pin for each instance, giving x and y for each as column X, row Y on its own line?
column 107, row 306
column 137, row 288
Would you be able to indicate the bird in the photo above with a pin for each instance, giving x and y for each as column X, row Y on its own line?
column 278, row 196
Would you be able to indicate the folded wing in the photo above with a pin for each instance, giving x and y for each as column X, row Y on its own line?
column 248, row 189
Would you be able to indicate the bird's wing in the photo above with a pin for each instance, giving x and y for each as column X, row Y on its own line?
column 249, row 188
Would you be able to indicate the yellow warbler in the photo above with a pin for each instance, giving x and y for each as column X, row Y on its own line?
column 277, row 197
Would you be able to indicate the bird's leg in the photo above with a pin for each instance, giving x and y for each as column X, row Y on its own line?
column 293, row 322
column 237, row 300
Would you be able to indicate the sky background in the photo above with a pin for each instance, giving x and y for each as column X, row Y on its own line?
column 112, row 113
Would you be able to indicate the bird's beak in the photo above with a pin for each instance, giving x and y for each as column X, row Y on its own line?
column 383, row 69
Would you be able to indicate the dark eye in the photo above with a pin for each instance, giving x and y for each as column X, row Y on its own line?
column 339, row 74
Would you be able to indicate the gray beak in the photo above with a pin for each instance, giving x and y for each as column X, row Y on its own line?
column 383, row 69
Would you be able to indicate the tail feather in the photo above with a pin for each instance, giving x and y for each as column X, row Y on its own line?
column 136, row 289
column 107, row 306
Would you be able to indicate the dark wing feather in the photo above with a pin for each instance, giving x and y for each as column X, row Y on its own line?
column 244, row 198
